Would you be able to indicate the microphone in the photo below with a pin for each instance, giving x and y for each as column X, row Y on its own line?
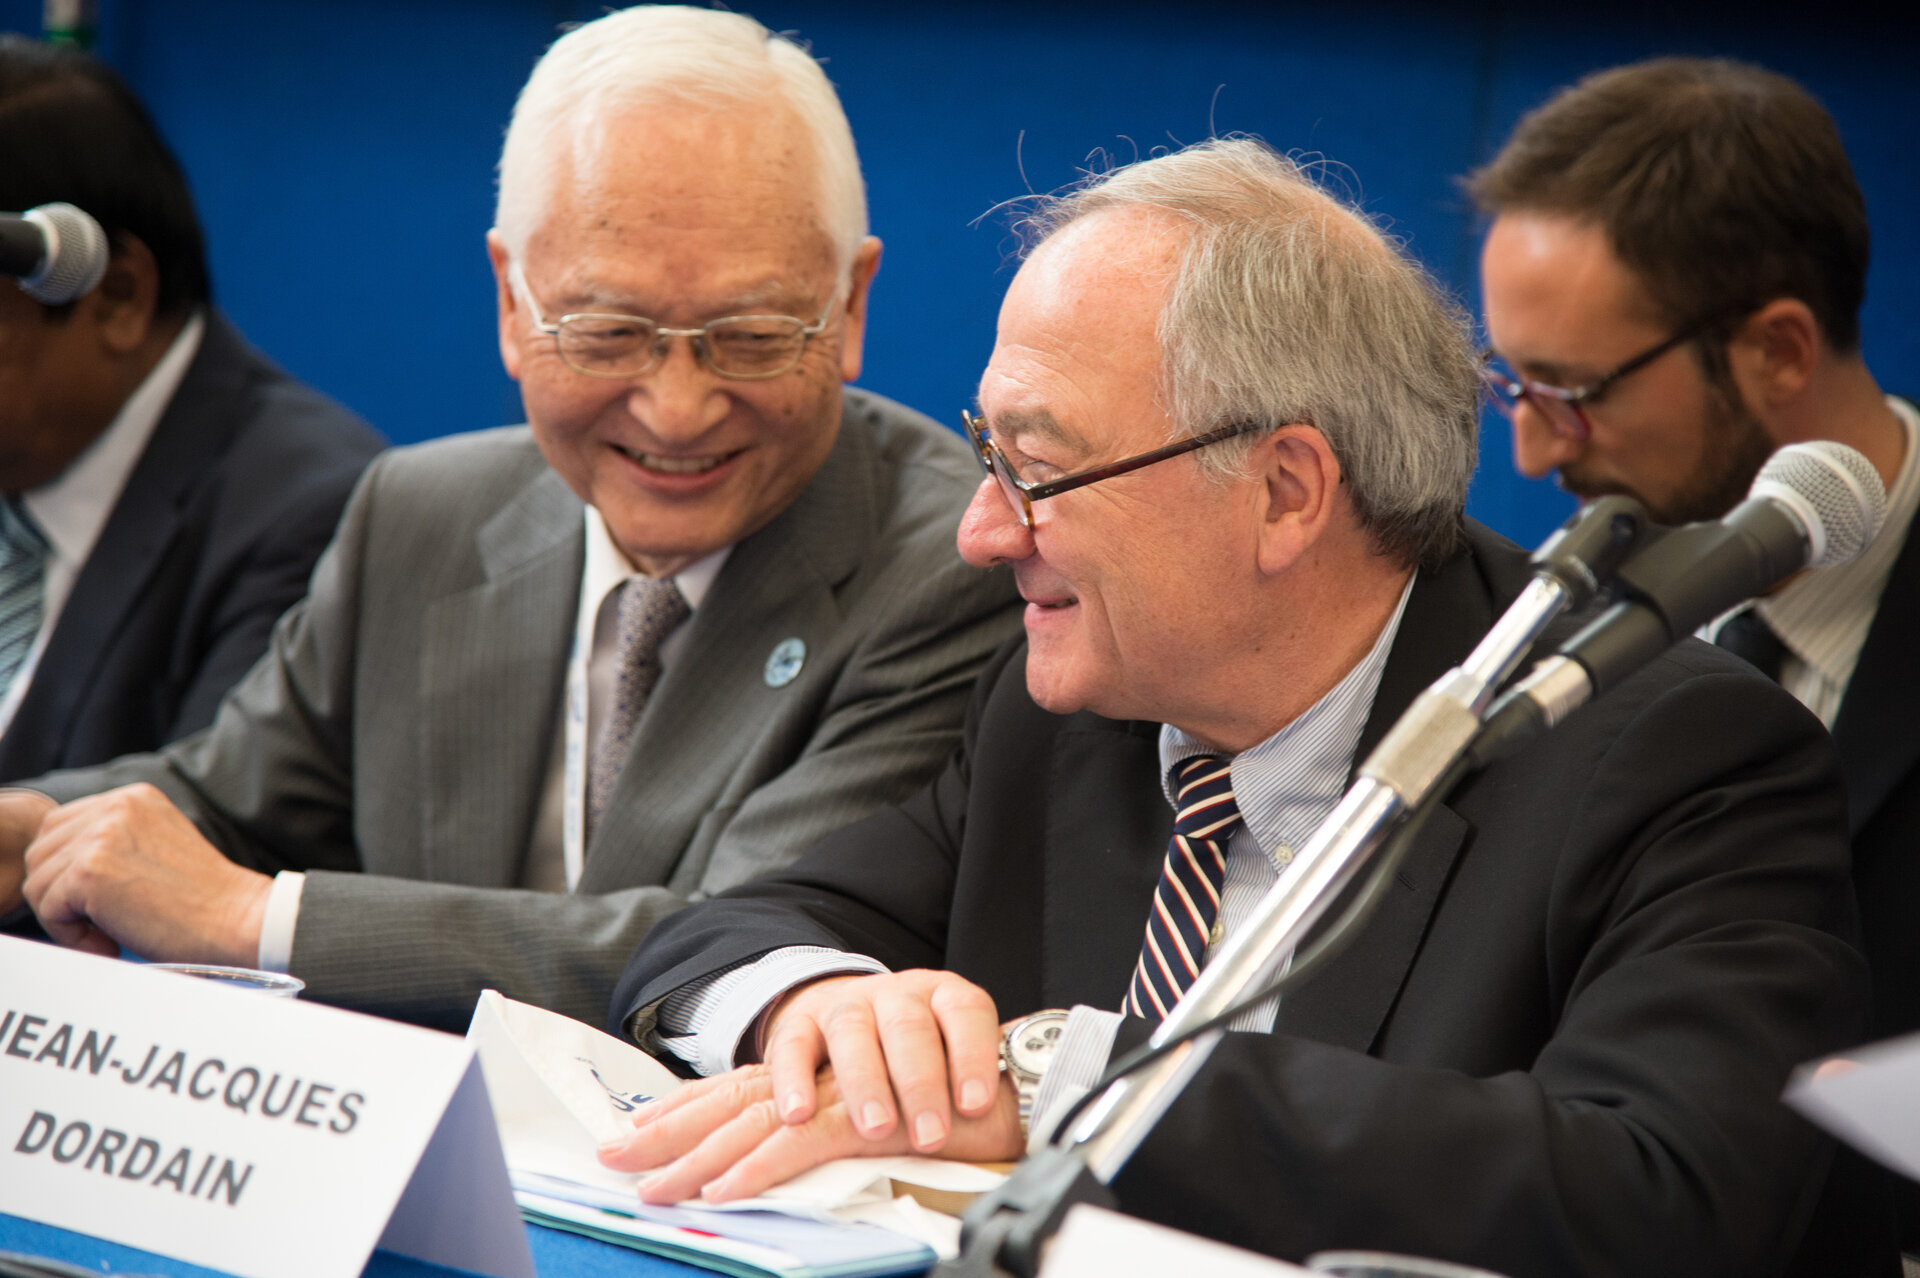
column 1813, row 505
column 56, row 251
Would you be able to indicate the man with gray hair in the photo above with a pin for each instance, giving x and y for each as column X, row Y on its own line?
column 1228, row 432
column 551, row 682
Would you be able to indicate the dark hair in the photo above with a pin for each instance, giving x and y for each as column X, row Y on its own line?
column 1721, row 185
column 70, row 129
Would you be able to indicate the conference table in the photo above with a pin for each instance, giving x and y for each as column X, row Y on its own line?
column 555, row 1255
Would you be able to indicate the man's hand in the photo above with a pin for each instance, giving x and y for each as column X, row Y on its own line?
column 21, row 812
column 722, row 1139
column 127, row 868
column 930, row 1039
column 844, row 1057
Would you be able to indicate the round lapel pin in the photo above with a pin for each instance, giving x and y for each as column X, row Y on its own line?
column 784, row 662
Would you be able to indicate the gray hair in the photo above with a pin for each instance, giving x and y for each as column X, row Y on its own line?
column 1289, row 307
column 676, row 54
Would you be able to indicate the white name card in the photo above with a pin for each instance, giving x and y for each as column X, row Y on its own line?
column 264, row 1137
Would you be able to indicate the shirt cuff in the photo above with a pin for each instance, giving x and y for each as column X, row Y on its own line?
column 276, row 925
column 1079, row 1058
column 703, row 1021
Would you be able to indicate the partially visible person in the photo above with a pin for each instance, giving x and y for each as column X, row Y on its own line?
column 166, row 488
column 552, row 682
column 1672, row 281
column 1228, row 433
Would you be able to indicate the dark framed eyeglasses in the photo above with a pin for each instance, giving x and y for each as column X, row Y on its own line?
column 1021, row 495
column 746, row 348
column 1562, row 407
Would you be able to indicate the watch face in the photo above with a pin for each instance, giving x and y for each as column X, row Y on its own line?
column 1033, row 1043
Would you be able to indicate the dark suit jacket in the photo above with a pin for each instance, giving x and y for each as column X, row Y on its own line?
column 1557, row 1049
column 395, row 741
column 212, row 539
column 1877, row 735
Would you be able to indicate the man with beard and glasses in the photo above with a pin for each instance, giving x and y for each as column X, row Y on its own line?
column 1672, row 284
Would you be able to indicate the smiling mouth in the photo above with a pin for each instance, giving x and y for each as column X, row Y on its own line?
column 1055, row 605
column 677, row 465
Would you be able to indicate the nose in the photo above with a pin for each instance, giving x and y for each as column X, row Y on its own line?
column 990, row 533
column 1539, row 449
column 680, row 399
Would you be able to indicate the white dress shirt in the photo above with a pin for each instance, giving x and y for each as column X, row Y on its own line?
column 73, row 509
column 1285, row 787
column 554, row 862
column 1822, row 618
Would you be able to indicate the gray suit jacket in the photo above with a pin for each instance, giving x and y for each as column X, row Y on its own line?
column 394, row 741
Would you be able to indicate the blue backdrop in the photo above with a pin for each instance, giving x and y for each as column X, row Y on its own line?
column 342, row 152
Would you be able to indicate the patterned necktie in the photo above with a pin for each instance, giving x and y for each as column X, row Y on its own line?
column 1187, row 900
column 649, row 610
column 1746, row 634
column 23, row 579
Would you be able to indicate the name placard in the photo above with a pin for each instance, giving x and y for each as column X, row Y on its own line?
column 265, row 1137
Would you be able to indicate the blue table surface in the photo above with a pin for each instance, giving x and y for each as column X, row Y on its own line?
column 555, row 1255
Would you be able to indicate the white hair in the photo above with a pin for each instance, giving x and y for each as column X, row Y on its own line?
column 1288, row 307
column 676, row 53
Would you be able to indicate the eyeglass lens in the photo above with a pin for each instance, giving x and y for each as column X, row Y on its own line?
column 1507, row 393
column 626, row 346
column 994, row 462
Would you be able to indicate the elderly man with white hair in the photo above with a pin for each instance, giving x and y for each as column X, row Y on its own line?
column 553, row 681
column 1228, row 432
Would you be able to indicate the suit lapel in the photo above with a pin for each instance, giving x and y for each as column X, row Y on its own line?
column 777, row 584
column 1874, row 732
column 1348, row 1002
column 1106, row 837
column 493, row 663
column 197, row 425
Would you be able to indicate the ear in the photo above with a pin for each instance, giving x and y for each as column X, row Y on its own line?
column 1300, row 494
column 1772, row 356
column 121, row 308
column 865, row 263
column 508, row 303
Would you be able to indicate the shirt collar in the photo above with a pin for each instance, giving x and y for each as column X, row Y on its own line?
column 1823, row 617
column 73, row 509
column 1286, row 784
column 607, row 568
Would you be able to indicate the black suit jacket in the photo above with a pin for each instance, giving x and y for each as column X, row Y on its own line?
column 212, row 539
column 1557, row 1049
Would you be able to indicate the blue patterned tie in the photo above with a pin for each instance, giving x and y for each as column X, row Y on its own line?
column 23, row 580
column 650, row 608
column 1187, row 901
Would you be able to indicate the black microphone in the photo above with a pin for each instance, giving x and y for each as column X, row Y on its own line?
column 1813, row 505
column 56, row 251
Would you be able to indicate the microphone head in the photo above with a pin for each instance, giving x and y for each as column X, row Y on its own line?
column 1835, row 493
column 76, row 255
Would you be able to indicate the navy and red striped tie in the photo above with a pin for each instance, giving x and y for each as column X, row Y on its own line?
column 1187, row 901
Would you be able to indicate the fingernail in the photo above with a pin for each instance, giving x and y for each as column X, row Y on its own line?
column 873, row 1116
column 611, row 1148
column 790, row 1106
column 927, row 1130
column 973, row 1095
column 718, row 1189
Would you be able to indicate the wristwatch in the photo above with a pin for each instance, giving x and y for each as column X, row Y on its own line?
column 1026, row 1049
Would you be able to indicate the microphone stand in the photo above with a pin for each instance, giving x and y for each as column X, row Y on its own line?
column 1004, row 1230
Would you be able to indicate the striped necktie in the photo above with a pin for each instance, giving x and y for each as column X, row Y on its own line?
column 650, row 608
column 23, row 580
column 1187, row 900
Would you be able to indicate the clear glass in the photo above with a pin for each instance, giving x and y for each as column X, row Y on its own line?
column 742, row 347
column 272, row 984
column 1383, row 1264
